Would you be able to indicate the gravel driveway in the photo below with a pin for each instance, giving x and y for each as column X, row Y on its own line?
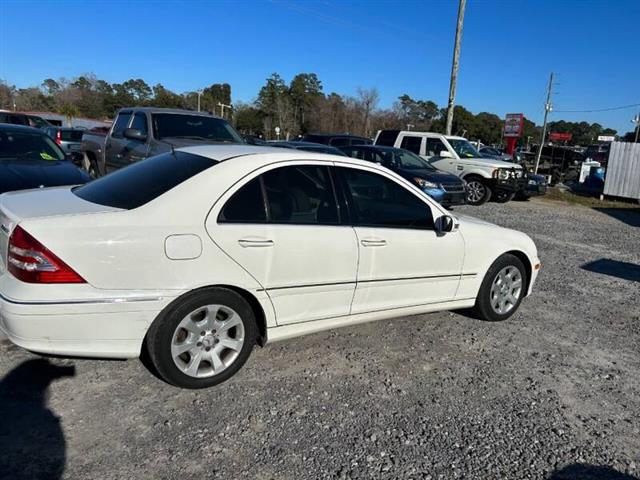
column 553, row 392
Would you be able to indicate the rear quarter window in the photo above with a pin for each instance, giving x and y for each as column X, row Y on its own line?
column 144, row 181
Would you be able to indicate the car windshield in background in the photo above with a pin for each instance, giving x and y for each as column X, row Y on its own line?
column 28, row 146
column 71, row 135
column 195, row 127
column 463, row 148
column 403, row 159
column 143, row 181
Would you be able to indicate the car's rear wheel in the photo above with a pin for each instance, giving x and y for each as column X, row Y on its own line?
column 478, row 192
column 502, row 290
column 203, row 339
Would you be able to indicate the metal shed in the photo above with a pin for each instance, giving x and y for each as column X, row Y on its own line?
column 623, row 170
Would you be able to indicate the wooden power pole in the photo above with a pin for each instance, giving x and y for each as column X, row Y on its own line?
column 547, row 108
column 454, row 66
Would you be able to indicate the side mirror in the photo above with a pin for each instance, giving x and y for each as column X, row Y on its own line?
column 76, row 158
column 134, row 134
column 445, row 154
column 444, row 224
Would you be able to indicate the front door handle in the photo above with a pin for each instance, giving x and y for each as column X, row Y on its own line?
column 252, row 242
column 373, row 242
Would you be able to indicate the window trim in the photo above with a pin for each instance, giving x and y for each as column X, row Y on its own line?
column 351, row 208
column 340, row 205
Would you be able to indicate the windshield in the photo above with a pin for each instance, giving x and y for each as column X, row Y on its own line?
column 403, row 159
column 463, row 148
column 28, row 146
column 196, row 127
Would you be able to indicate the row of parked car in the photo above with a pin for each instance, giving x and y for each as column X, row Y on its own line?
column 447, row 168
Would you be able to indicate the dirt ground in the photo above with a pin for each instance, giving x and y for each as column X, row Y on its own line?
column 554, row 392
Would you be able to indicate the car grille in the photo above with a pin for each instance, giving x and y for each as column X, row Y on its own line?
column 453, row 187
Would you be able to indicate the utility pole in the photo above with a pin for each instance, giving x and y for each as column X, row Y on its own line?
column 454, row 66
column 636, row 120
column 222, row 107
column 199, row 92
column 547, row 108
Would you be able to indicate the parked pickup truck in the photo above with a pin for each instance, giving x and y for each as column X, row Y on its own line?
column 138, row 133
column 485, row 177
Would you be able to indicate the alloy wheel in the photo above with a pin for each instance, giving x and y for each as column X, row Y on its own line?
column 505, row 290
column 476, row 191
column 207, row 341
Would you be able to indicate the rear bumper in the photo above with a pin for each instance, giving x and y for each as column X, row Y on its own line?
column 108, row 328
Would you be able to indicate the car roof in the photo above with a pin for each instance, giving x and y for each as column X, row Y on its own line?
column 167, row 110
column 10, row 127
column 263, row 155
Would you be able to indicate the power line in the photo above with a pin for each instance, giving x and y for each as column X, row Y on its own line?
column 633, row 105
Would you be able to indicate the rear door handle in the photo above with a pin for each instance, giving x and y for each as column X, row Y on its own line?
column 373, row 243
column 252, row 242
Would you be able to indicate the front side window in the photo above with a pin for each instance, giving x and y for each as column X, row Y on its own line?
column 380, row 202
column 194, row 127
column 434, row 147
column 300, row 195
column 140, row 122
column 122, row 122
column 412, row 144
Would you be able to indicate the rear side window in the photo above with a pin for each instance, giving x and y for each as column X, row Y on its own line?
column 71, row 135
column 300, row 195
column 143, row 181
column 246, row 205
column 380, row 202
column 412, row 144
column 387, row 138
column 122, row 122
column 339, row 142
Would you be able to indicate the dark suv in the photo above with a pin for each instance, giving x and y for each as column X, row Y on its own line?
column 338, row 140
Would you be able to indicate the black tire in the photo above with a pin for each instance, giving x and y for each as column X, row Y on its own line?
column 483, row 307
column 161, row 334
column 478, row 192
column 502, row 196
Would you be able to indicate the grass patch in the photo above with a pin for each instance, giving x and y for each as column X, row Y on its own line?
column 555, row 194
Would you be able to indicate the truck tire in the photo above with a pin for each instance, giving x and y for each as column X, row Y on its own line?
column 502, row 196
column 478, row 192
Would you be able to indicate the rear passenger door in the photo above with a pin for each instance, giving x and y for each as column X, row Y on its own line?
column 413, row 143
column 285, row 227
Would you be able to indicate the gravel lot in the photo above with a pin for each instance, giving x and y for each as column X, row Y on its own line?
column 553, row 392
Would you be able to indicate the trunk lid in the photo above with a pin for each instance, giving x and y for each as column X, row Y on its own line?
column 29, row 204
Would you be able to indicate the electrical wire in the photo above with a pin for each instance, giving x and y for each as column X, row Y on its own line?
column 633, row 105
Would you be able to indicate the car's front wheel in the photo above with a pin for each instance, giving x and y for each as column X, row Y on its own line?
column 203, row 339
column 503, row 196
column 502, row 290
column 478, row 192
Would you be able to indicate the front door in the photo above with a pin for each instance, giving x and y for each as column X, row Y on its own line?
column 403, row 261
column 116, row 143
column 284, row 228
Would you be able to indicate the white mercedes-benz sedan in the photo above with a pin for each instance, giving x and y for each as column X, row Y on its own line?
column 194, row 256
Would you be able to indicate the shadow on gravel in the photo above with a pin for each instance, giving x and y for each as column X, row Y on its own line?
column 582, row 471
column 32, row 444
column 630, row 216
column 614, row 268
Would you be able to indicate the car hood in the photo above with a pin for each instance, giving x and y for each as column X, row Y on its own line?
column 468, row 219
column 23, row 175
column 491, row 162
column 430, row 175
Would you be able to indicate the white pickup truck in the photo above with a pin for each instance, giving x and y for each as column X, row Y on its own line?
column 485, row 177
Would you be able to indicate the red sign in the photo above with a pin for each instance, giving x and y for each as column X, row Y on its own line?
column 560, row 137
column 513, row 125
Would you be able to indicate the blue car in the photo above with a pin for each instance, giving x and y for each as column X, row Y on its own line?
column 445, row 188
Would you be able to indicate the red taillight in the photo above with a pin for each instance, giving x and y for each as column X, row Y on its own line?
column 58, row 138
column 30, row 261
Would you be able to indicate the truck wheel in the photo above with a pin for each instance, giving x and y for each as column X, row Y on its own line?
column 502, row 196
column 478, row 192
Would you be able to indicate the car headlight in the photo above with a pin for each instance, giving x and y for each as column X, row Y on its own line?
column 422, row 183
column 502, row 174
column 532, row 182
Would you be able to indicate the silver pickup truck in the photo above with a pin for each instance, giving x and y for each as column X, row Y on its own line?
column 142, row 132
